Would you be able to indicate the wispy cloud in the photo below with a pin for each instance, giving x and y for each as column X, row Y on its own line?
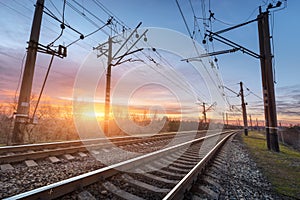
column 288, row 101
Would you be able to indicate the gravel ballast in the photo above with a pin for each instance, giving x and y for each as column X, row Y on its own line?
column 233, row 175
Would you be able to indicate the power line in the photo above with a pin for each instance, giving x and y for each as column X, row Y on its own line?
column 20, row 77
column 43, row 25
column 203, row 5
column 57, row 10
column 186, row 25
column 253, row 93
column 62, row 25
column 231, row 90
column 107, row 11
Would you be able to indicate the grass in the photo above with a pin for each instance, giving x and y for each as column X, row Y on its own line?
column 281, row 169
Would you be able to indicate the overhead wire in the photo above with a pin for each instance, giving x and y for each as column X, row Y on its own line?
column 273, row 48
column 62, row 26
column 51, row 2
column 196, row 49
column 108, row 12
column 184, row 20
column 89, row 12
column 43, row 86
column 20, row 76
column 51, row 14
column 45, row 26
column 149, row 58
column 163, row 59
column 56, row 17
column 196, row 24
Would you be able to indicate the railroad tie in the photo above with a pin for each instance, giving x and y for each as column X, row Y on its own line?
column 85, row 195
column 179, row 169
column 53, row 159
column 157, row 178
column 121, row 193
column 144, row 185
column 5, row 167
column 177, row 175
column 30, row 163
column 202, row 189
column 81, row 154
column 68, row 157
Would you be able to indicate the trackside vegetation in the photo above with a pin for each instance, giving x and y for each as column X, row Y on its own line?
column 281, row 169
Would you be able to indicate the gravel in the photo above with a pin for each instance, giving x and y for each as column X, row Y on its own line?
column 238, row 178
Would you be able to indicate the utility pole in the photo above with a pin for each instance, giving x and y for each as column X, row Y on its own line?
column 110, row 57
column 223, row 115
column 263, row 75
column 227, row 119
column 22, row 114
column 250, row 122
column 244, row 109
column 204, row 112
column 267, row 80
column 238, row 122
column 265, row 57
column 107, row 90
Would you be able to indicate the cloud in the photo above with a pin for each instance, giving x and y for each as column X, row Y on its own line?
column 288, row 101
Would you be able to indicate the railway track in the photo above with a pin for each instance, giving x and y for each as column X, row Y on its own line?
column 164, row 174
column 13, row 154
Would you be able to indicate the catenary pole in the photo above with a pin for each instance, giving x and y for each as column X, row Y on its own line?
column 22, row 114
column 244, row 109
column 267, row 81
column 107, row 90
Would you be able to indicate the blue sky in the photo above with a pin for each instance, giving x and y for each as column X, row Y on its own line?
column 16, row 18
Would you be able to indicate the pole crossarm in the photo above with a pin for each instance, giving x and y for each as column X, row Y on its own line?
column 61, row 52
column 236, row 26
column 126, row 54
column 134, row 31
column 232, row 44
column 103, row 50
column 211, row 106
column 230, row 90
column 210, row 54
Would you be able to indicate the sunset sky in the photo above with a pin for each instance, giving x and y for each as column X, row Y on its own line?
column 16, row 18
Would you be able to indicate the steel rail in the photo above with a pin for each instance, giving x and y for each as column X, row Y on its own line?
column 59, row 148
column 64, row 187
column 185, row 184
column 16, row 148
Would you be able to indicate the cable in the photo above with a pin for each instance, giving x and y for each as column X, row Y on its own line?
column 45, row 26
column 62, row 15
column 87, row 18
column 203, row 13
column 231, row 90
column 81, row 38
column 273, row 48
column 43, row 86
column 107, row 11
column 62, row 26
column 195, row 20
column 252, row 92
column 20, row 76
column 20, row 13
column 186, row 25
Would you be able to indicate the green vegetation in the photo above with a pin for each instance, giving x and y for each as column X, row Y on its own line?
column 281, row 169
